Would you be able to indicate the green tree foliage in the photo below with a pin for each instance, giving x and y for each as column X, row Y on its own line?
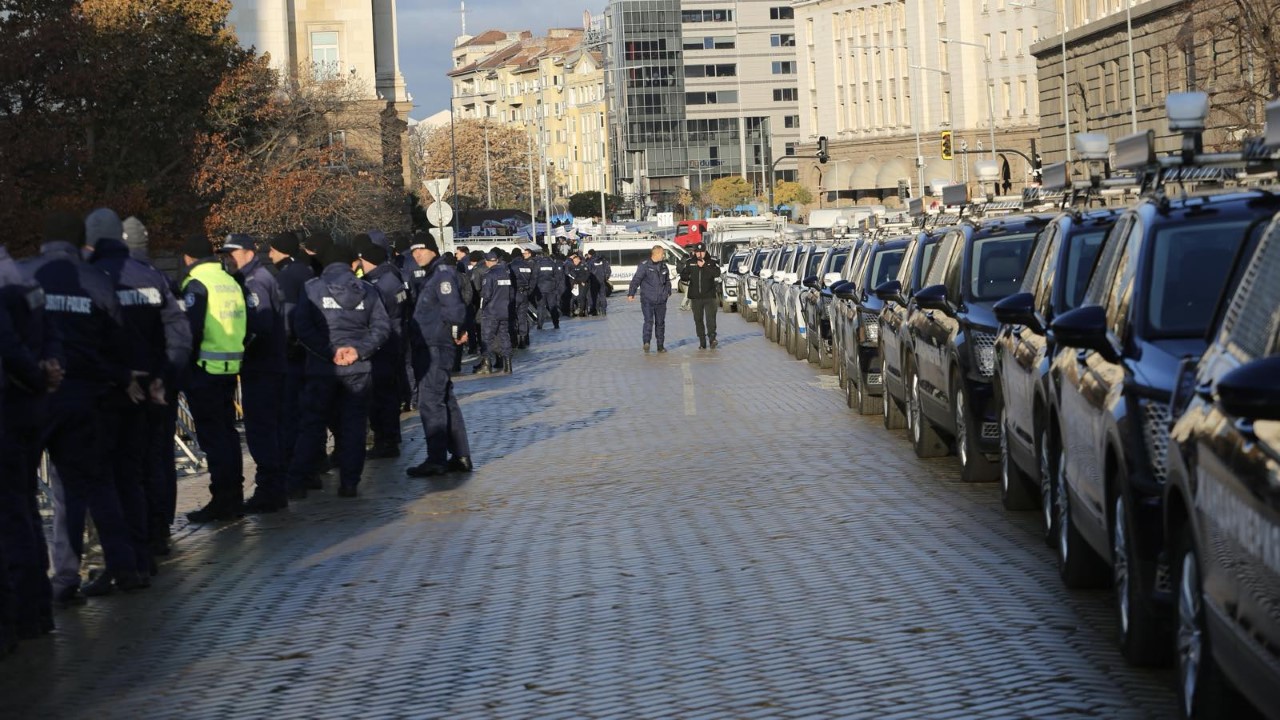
column 729, row 192
column 587, row 204
column 791, row 193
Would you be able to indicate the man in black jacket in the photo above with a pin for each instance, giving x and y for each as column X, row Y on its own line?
column 702, row 275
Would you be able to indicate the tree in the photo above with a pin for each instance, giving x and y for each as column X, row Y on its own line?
column 791, row 193
column 1238, row 41
column 730, row 192
column 587, row 204
column 506, row 174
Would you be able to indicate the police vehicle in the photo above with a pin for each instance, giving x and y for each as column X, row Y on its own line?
column 815, row 302
column 731, row 281
column 859, row 358
column 898, row 296
column 625, row 252
column 795, row 329
column 749, row 283
column 777, row 271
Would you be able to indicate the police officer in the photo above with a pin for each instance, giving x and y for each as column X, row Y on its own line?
column 702, row 277
column 547, row 279
column 30, row 360
column 437, row 330
column 601, row 271
column 522, row 274
column 262, row 373
column 653, row 282
column 219, row 323
column 151, row 310
column 497, row 303
column 384, row 412
column 579, row 276
column 342, row 323
column 292, row 274
column 82, row 305
column 472, row 284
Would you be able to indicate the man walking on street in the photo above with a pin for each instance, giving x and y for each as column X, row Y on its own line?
column 653, row 281
column 579, row 276
column 702, row 279
column 600, row 274
column 522, row 275
column 547, row 279
column 496, row 305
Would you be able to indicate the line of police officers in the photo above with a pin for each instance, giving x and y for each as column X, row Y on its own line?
column 95, row 344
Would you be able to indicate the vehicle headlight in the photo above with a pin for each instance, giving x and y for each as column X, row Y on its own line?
column 984, row 352
column 731, row 282
column 870, row 324
column 1156, row 420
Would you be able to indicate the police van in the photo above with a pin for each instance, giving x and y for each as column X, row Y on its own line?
column 625, row 252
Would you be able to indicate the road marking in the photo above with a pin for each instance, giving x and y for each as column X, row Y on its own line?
column 690, row 403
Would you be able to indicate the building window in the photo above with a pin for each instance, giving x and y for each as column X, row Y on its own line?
column 324, row 54
column 1004, row 44
column 790, row 148
column 782, row 13
column 701, row 71
column 786, row 95
column 701, row 16
column 1024, row 99
column 784, row 67
column 783, row 40
column 791, row 121
column 721, row 97
column 336, row 144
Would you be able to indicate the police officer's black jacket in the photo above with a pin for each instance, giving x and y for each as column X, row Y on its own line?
column 82, row 305
column 266, row 335
column 27, row 335
column 497, row 299
column 150, row 308
column 292, row 275
column 340, row 310
column 386, row 279
column 701, row 280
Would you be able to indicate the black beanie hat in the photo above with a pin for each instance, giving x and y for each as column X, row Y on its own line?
column 198, row 247
column 369, row 250
column 318, row 242
column 424, row 240
column 286, row 242
column 338, row 255
column 64, row 226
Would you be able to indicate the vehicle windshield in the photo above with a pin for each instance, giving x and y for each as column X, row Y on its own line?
column 996, row 265
column 758, row 262
column 1082, row 253
column 815, row 263
column 885, row 266
column 1190, row 264
column 926, row 257
column 738, row 264
column 785, row 261
column 838, row 261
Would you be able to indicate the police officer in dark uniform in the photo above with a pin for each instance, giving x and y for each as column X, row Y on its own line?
column 472, row 283
column 30, row 369
column 292, row 274
column 547, row 279
column 601, row 271
column 151, row 310
column 579, row 276
column 384, row 412
column 437, row 330
column 522, row 274
column 497, row 304
column 653, row 281
column 262, row 374
column 342, row 323
column 219, row 323
column 82, row 305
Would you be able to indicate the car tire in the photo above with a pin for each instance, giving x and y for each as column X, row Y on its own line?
column 1048, row 489
column 838, row 361
column 813, row 352
column 800, row 345
column 925, row 439
column 865, row 403
column 1015, row 486
column 1204, row 693
column 891, row 412
column 1078, row 564
column 974, row 466
column 1142, row 630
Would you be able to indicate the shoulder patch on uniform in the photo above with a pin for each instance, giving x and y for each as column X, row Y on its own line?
column 446, row 288
column 190, row 299
column 252, row 300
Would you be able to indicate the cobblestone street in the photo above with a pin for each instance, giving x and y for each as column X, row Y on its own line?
column 689, row 535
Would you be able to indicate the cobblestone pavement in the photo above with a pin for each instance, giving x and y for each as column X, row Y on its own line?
column 692, row 535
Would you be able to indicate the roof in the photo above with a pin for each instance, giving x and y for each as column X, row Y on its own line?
column 492, row 37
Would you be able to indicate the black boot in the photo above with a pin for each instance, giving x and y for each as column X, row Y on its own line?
column 485, row 368
column 217, row 511
column 646, row 347
column 714, row 344
column 702, row 343
column 661, row 349
column 506, row 364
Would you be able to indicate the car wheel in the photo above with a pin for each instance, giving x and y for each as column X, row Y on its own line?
column 924, row 438
column 1048, row 489
column 812, row 353
column 802, row 346
column 837, row 360
column 1078, row 565
column 1014, row 491
column 974, row 466
column 1141, row 630
column 891, row 412
column 1203, row 691
column 868, row 404
column 824, row 355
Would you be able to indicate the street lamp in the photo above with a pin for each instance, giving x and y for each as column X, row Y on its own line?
column 1133, row 78
column 991, row 88
column 917, row 117
column 1066, row 103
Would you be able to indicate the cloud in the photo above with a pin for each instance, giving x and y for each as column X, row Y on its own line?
column 429, row 27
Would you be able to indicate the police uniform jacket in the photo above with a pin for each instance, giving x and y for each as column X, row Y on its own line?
column 82, row 305
column 26, row 337
column 701, row 280
column 440, row 310
column 386, row 279
column 340, row 310
column 522, row 273
column 547, row 276
column 578, row 274
column 266, row 335
column 497, row 296
column 652, row 280
column 150, row 308
column 600, row 269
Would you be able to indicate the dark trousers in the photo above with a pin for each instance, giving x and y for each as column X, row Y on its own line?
column 582, row 299
column 599, row 296
column 548, row 307
column 127, row 461
column 522, row 322
column 161, row 483
column 262, row 398
column 26, row 556
column 384, row 409
column 442, row 422
column 294, row 381
column 76, row 435
column 349, row 396
column 213, row 409
column 497, row 335
column 704, row 316
column 655, row 320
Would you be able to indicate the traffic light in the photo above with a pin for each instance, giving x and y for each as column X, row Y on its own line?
column 823, row 156
column 946, row 145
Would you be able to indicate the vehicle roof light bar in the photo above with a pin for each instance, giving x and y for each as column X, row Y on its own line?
column 1093, row 147
column 915, row 207
column 955, row 195
column 1055, row 177
column 1137, row 152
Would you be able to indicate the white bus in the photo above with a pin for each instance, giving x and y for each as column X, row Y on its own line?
column 625, row 252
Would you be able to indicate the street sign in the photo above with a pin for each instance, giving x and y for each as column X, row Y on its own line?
column 666, row 220
column 437, row 188
column 440, row 214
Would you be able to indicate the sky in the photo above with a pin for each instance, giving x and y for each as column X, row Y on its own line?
column 429, row 27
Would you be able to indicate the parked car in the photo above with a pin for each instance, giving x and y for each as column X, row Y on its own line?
column 787, row 275
column 774, row 270
column 750, row 288
column 1150, row 303
column 795, row 327
column 1222, row 508
column 731, row 281
column 816, row 302
column 860, row 340
column 1055, row 281
column 897, row 296
column 952, row 340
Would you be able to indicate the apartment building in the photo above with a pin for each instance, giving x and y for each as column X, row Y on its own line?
column 883, row 80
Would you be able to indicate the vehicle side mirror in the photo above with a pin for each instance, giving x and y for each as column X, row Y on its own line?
column 844, row 290
column 890, row 291
column 811, row 282
column 1085, row 328
column 1252, row 391
column 933, row 297
column 1019, row 309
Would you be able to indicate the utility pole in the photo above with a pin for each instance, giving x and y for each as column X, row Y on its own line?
column 542, row 149
column 488, row 176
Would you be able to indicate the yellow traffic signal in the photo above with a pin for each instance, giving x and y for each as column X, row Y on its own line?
column 946, row 145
